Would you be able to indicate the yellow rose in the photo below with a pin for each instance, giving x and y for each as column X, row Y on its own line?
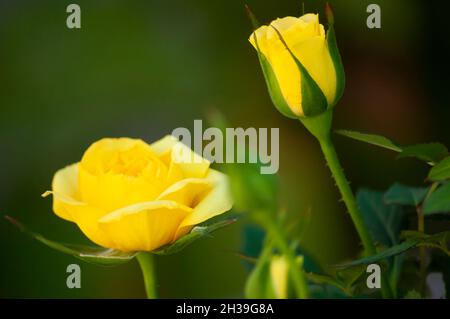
column 131, row 196
column 301, row 65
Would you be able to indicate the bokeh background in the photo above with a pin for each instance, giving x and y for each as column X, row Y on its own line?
column 143, row 68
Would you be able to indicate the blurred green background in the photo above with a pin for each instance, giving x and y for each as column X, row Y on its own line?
column 143, row 68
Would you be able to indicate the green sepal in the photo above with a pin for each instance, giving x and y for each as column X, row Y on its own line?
column 274, row 88
column 91, row 254
column 337, row 62
column 109, row 257
column 251, row 15
column 271, row 80
column 199, row 231
column 314, row 101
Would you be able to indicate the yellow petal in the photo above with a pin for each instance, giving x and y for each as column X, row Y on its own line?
column 261, row 39
column 187, row 192
column 122, row 155
column 144, row 226
column 67, row 205
column 174, row 153
column 163, row 147
column 217, row 201
column 295, row 30
column 190, row 163
column 113, row 191
column 65, row 184
column 87, row 217
column 117, row 172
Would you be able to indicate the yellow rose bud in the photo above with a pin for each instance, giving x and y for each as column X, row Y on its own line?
column 279, row 274
column 301, row 65
column 131, row 196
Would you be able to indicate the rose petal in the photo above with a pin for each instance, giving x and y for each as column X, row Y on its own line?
column 66, row 204
column 187, row 192
column 65, row 184
column 144, row 226
column 173, row 152
column 216, row 202
column 113, row 191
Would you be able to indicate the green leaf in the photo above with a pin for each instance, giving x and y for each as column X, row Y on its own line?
column 373, row 139
column 313, row 101
column 390, row 252
column 438, row 201
column 405, row 195
column 438, row 240
column 429, row 152
column 92, row 254
column 413, row 239
column 351, row 281
column 383, row 220
column 441, row 171
column 325, row 279
column 196, row 233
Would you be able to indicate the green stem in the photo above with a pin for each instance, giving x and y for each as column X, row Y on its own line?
column 320, row 127
column 147, row 264
column 347, row 194
column 422, row 251
column 296, row 269
column 350, row 202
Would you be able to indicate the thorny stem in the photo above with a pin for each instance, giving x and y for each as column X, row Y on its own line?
column 422, row 249
column 349, row 200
